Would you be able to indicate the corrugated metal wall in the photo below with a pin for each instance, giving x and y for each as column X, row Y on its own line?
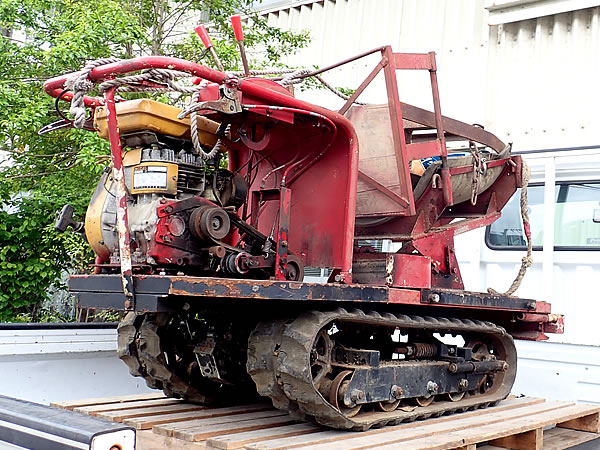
column 543, row 80
column 532, row 82
column 455, row 29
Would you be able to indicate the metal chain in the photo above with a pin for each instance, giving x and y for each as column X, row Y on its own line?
column 478, row 168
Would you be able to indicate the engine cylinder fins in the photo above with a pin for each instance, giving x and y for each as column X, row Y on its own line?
column 333, row 398
column 209, row 223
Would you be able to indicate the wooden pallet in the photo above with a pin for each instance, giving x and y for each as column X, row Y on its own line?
column 517, row 423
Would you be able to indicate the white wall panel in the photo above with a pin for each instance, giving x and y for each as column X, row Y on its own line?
column 558, row 371
column 456, row 30
column 531, row 82
column 542, row 80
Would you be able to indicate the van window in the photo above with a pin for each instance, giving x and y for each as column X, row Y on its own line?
column 576, row 219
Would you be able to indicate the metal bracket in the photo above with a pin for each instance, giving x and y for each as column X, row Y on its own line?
column 229, row 103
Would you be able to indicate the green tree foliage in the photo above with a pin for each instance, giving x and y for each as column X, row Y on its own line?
column 39, row 174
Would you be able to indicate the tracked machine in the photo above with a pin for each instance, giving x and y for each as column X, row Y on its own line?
column 209, row 261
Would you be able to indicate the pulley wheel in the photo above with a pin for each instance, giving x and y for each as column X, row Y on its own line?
column 294, row 270
column 209, row 223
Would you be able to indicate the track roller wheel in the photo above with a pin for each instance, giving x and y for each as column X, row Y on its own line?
column 388, row 406
column 338, row 390
column 424, row 401
column 455, row 396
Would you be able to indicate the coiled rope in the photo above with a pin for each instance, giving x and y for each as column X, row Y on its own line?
column 527, row 260
column 82, row 85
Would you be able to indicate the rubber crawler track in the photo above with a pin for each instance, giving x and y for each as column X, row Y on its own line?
column 283, row 369
column 140, row 348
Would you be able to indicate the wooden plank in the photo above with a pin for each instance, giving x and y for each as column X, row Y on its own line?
column 333, row 438
column 529, row 440
column 146, row 423
column 417, row 430
column 488, row 432
column 119, row 416
column 146, row 440
column 239, row 440
column 561, row 438
column 589, row 423
column 115, row 399
column 231, row 419
column 191, row 426
column 94, row 409
column 205, row 432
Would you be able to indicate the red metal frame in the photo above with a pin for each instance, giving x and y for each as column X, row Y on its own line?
column 317, row 150
column 312, row 155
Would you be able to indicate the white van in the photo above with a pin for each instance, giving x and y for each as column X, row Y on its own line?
column 564, row 211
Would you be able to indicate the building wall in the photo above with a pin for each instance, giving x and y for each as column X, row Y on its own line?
column 542, row 80
column 530, row 81
column 343, row 28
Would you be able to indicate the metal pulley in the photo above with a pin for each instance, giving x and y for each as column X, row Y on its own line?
column 209, row 223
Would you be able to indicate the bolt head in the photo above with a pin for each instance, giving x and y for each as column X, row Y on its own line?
column 357, row 394
column 397, row 392
column 434, row 298
column 432, row 387
column 463, row 384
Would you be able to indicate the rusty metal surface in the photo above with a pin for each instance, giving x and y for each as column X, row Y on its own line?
column 119, row 177
column 186, row 286
column 452, row 297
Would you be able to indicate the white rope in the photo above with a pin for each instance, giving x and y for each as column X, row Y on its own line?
column 80, row 86
column 165, row 76
column 194, row 129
